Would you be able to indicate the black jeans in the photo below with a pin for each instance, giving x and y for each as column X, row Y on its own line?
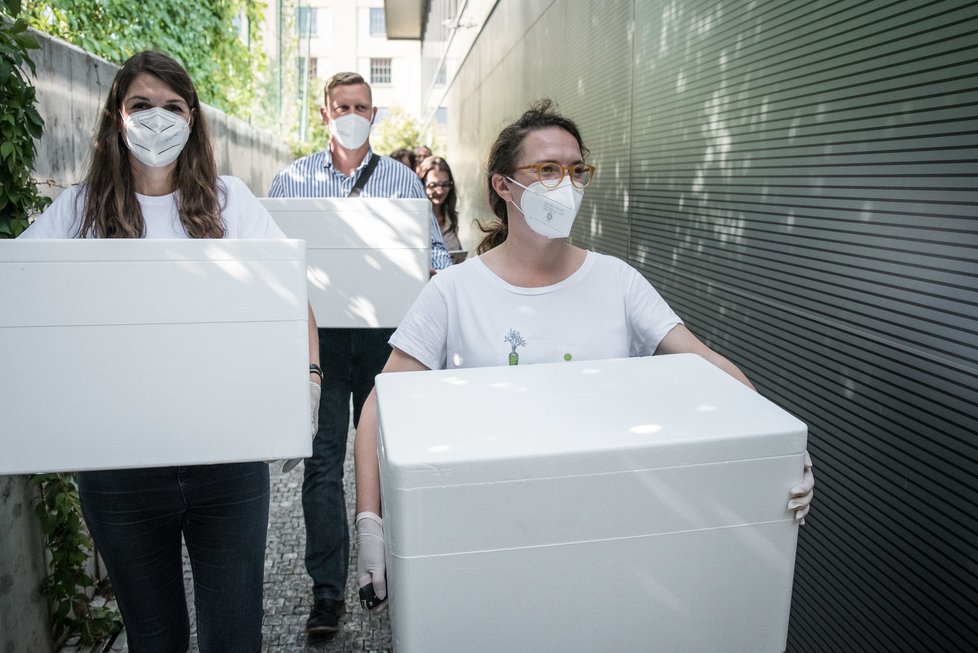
column 137, row 517
column 350, row 359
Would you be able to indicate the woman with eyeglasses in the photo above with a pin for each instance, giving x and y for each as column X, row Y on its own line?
column 529, row 297
column 439, row 184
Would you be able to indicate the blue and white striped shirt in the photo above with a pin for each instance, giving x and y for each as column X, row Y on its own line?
column 315, row 176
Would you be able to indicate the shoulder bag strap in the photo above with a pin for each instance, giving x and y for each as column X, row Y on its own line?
column 364, row 176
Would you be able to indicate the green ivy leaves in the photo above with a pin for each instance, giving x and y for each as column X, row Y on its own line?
column 59, row 511
column 203, row 36
column 20, row 124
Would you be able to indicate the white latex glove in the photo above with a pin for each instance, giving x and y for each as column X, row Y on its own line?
column 801, row 495
column 315, row 391
column 371, row 565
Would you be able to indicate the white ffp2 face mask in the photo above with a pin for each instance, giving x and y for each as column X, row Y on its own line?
column 350, row 131
column 156, row 136
column 550, row 211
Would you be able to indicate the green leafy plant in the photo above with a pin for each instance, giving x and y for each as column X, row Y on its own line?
column 397, row 130
column 218, row 41
column 68, row 585
column 317, row 134
column 58, row 509
column 20, row 124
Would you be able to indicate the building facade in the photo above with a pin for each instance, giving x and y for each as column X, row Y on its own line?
column 317, row 38
column 798, row 179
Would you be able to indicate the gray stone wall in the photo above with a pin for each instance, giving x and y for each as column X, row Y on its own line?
column 23, row 611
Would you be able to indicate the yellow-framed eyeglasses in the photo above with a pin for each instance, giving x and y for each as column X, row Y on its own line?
column 551, row 174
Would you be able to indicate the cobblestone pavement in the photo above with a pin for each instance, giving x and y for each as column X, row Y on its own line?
column 288, row 590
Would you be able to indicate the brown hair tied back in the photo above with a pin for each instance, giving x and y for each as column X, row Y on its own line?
column 505, row 155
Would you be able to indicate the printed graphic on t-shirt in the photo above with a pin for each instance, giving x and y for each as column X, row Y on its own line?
column 515, row 340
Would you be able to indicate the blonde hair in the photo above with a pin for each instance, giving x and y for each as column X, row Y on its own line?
column 345, row 79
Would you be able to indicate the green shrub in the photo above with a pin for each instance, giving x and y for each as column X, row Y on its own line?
column 20, row 124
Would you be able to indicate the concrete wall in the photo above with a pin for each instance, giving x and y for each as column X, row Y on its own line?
column 24, row 625
column 71, row 87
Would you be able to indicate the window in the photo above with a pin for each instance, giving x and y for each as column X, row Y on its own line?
column 305, row 21
column 441, row 116
column 378, row 24
column 440, row 78
column 380, row 71
column 313, row 68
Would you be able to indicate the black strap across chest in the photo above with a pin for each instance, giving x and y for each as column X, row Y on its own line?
column 364, row 176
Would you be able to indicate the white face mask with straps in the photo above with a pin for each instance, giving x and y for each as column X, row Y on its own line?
column 156, row 136
column 350, row 131
column 550, row 212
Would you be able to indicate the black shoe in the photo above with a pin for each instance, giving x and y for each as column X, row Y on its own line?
column 325, row 617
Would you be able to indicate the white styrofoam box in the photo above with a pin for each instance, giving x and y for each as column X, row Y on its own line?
column 139, row 353
column 616, row 505
column 368, row 257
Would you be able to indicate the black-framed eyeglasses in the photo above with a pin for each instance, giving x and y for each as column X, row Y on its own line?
column 432, row 185
column 551, row 174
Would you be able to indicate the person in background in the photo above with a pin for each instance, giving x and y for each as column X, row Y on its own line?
column 421, row 153
column 436, row 175
column 528, row 276
column 405, row 156
column 153, row 175
column 353, row 357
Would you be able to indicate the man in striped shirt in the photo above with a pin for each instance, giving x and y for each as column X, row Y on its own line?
column 351, row 358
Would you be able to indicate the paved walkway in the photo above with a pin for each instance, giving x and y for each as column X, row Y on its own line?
column 288, row 590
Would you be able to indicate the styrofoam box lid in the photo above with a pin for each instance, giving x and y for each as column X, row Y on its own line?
column 136, row 261
column 134, row 353
column 354, row 222
column 483, row 425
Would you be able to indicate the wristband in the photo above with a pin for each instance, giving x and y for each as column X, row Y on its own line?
column 315, row 369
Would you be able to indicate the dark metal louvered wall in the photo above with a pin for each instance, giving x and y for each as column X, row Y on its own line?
column 806, row 196
column 800, row 180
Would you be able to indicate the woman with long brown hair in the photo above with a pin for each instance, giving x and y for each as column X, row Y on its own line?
column 439, row 184
column 152, row 174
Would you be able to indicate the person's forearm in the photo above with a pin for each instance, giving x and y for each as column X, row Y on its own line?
column 681, row 340
column 365, row 458
column 365, row 443
column 313, row 338
column 727, row 366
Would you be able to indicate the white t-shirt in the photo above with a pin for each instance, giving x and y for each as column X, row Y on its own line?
column 244, row 216
column 467, row 316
